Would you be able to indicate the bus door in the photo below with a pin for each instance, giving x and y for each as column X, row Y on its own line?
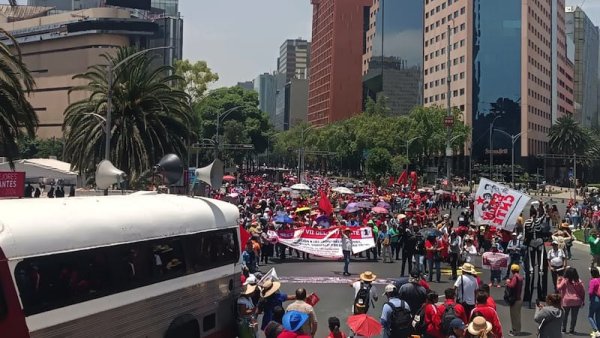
column 12, row 318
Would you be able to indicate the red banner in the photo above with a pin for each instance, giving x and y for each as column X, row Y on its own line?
column 12, row 184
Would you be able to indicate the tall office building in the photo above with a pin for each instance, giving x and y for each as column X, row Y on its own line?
column 266, row 87
column 508, row 64
column 294, row 59
column 584, row 46
column 393, row 62
column 248, row 85
column 338, row 44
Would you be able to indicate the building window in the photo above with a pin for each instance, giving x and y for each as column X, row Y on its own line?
column 462, row 27
column 443, row 96
column 462, row 59
column 462, row 10
column 462, row 75
column 462, row 91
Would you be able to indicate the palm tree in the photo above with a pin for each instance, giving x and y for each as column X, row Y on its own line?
column 567, row 137
column 17, row 117
column 150, row 117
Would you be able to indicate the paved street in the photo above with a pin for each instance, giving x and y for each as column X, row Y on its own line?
column 326, row 279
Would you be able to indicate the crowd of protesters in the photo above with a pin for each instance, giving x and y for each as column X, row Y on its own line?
column 415, row 232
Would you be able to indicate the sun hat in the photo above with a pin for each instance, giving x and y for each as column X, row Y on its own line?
column 248, row 289
column 515, row 267
column 468, row 268
column 367, row 276
column 251, row 280
column 456, row 323
column 479, row 325
column 269, row 288
column 293, row 320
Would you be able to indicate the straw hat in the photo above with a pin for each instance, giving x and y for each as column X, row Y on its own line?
column 468, row 268
column 269, row 288
column 248, row 289
column 479, row 325
column 367, row 276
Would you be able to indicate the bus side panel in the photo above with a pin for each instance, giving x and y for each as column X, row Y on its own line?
column 13, row 323
column 150, row 318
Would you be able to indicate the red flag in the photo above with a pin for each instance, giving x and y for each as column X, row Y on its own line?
column 325, row 204
column 403, row 179
column 244, row 238
column 391, row 181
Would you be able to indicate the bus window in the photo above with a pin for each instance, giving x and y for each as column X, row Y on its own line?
column 3, row 304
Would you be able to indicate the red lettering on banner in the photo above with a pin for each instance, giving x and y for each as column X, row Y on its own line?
column 12, row 184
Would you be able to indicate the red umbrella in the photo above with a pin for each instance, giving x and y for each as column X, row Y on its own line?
column 364, row 325
column 380, row 210
column 228, row 178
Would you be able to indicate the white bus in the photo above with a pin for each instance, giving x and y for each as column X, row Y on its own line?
column 141, row 265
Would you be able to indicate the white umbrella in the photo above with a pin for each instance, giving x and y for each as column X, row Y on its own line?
column 343, row 190
column 285, row 189
column 300, row 186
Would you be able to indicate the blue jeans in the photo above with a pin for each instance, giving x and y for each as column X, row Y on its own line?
column 420, row 263
column 438, row 273
column 346, row 260
column 594, row 313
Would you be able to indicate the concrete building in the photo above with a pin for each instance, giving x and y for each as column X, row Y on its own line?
column 294, row 59
column 248, row 85
column 393, row 62
column 266, row 87
column 508, row 59
column 338, row 44
column 292, row 104
column 584, row 39
column 57, row 47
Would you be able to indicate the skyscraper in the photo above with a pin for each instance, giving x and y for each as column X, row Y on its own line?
column 508, row 66
column 294, row 59
column 338, row 44
column 266, row 87
column 393, row 62
column 584, row 45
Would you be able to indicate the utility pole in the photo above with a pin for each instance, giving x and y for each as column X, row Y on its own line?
column 492, row 147
column 574, row 176
column 448, row 102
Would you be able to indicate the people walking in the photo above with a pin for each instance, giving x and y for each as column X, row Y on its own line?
column 487, row 312
column 408, row 243
column 413, row 293
column 572, row 294
column 557, row 262
column 449, row 311
column 454, row 253
column 513, row 249
column 513, row 297
column 466, row 287
column 549, row 317
column 479, row 328
column 365, row 293
column 432, row 247
column 346, row 249
column 247, row 324
column 594, row 242
column 300, row 305
column 396, row 317
column 594, row 297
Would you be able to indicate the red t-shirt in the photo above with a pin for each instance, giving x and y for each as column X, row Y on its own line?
column 429, row 245
column 290, row 334
column 432, row 320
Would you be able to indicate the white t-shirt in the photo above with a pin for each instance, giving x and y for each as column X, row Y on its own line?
column 468, row 285
column 556, row 258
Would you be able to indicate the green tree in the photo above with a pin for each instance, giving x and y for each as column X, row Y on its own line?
column 196, row 77
column 17, row 117
column 378, row 164
column 40, row 148
column 567, row 137
column 149, row 117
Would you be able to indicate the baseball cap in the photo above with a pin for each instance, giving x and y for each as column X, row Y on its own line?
column 390, row 288
column 554, row 242
column 456, row 323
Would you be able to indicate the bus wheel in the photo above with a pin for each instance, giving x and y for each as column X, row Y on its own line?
column 185, row 326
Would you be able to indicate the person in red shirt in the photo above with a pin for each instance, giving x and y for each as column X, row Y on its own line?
column 459, row 310
column 487, row 312
column 432, row 317
column 433, row 256
column 490, row 301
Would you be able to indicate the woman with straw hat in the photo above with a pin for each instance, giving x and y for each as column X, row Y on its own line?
column 247, row 325
column 480, row 328
column 270, row 297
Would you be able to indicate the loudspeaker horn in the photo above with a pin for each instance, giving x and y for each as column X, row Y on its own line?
column 212, row 174
column 170, row 168
column 107, row 175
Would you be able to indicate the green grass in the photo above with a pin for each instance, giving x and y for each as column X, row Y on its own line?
column 578, row 234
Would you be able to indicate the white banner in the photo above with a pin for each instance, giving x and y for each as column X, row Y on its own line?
column 324, row 242
column 494, row 260
column 498, row 205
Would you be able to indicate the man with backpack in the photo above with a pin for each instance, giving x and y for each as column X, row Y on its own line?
column 396, row 317
column 449, row 311
column 365, row 293
column 413, row 293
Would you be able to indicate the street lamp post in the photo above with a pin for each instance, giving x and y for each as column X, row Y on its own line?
column 110, row 69
column 221, row 116
column 513, row 139
column 492, row 146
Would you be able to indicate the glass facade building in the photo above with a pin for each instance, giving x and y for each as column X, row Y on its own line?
column 393, row 60
column 496, row 76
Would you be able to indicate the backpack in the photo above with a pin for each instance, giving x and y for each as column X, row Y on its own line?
column 418, row 323
column 362, row 299
column 400, row 319
column 447, row 316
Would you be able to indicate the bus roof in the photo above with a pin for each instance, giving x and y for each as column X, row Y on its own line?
column 41, row 226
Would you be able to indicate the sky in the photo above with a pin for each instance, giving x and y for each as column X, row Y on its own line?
column 240, row 39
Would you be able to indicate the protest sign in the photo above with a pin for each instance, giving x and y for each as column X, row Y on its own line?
column 324, row 242
column 494, row 260
column 497, row 205
column 12, row 184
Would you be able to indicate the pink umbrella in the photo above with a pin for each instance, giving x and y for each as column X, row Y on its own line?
column 380, row 210
column 228, row 178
